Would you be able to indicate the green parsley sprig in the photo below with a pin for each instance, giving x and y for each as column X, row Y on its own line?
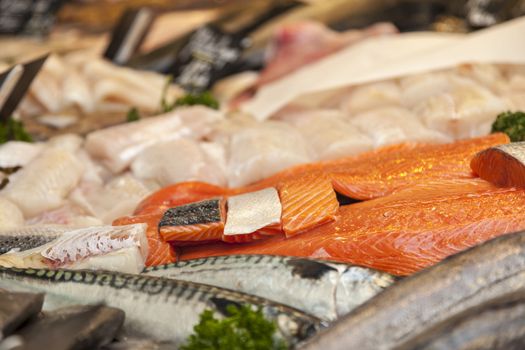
column 512, row 124
column 243, row 329
column 13, row 130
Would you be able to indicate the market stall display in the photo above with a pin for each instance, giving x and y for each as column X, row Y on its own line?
column 327, row 185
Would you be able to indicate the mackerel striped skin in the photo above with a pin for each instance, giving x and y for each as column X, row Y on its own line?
column 326, row 290
column 157, row 308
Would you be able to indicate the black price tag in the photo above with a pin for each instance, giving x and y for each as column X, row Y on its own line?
column 31, row 17
column 208, row 55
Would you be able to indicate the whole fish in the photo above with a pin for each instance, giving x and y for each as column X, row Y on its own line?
column 326, row 290
column 28, row 237
column 17, row 308
column 158, row 308
column 497, row 324
column 417, row 303
column 75, row 327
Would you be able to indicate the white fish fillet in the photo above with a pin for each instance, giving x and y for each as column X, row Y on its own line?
column 468, row 110
column 252, row 211
column 374, row 95
column 263, row 150
column 117, row 198
column 419, row 87
column 17, row 153
column 10, row 215
column 66, row 142
column 133, row 88
column 45, row 182
column 330, row 136
column 391, row 125
column 75, row 248
column 176, row 161
column 117, row 146
column 69, row 214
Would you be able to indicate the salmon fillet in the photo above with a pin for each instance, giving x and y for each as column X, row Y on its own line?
column 307, row 191
column 307, row 201
column 403, row 232
column 502, row 165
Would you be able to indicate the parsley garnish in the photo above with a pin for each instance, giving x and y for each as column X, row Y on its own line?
column 243, row 329
column 133, row 115
column 512, row 124
column 13, row 130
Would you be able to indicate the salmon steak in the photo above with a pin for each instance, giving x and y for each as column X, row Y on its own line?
column 308, row 194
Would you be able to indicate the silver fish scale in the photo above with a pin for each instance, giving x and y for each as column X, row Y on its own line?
column 153, row 305
column 324, row 289
column 515, row 149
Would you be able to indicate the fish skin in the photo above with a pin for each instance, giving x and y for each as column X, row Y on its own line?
column 200, row 221
column 161, row 309
column 16, row 308
column 251, row 212
column 400, row 233
column 502, row 165
column 323, row 289
column 28, row 237
column 496, row 324
column 75, row 327
column 419, row 302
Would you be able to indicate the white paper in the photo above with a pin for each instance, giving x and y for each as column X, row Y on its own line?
column 388, row 57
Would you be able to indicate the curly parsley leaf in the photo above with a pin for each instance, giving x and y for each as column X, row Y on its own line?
column 13, row 130
column 512, row 124
column 244, row 328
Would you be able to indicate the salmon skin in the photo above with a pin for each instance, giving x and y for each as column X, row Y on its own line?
column 401, row 233
column 199, row 221
column 417, row 304
column 309, row 202
column 502, row 165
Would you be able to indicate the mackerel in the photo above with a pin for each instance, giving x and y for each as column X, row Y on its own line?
column 419, row 302
column 157, row 308
column 324, row 289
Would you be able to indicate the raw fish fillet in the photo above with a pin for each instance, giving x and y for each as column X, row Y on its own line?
column 403, row 232
column 307, row 201
column 392, row 125
column 10, row 215
column 375, row 174
column 370, row 96
column 466, row 110
column 200, row 221
column 117, row 146
column 76, row 248
column 502, row 165
column 329, row 136
column 263, row 150
column 17, row 153
column 45, row 182
column 177, row 161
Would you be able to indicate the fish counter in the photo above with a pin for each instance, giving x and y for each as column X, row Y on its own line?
column 136, row 213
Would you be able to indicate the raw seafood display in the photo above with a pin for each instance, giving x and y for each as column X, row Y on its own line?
column 383, row 210
column 419, row 303
column 159, row 308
